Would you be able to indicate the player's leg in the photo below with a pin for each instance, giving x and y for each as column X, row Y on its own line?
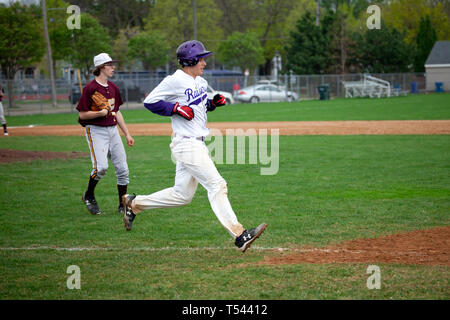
column 98, row 142
column 205, row 172
column 208, row 176
column 3, row 120
column 119, row 160
column 180, row 194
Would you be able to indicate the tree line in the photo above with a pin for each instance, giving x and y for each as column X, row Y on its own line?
column 311, row 39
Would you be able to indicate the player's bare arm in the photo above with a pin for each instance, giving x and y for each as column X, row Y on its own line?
column 87, row 115
column 123, row 127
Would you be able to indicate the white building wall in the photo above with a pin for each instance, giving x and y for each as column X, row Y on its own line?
column 439, row 74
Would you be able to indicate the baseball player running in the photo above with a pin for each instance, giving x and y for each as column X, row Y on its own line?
column 183, row 96
column 99, row 114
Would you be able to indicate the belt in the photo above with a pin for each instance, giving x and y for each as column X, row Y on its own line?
column 197, row 138
column 190, row 137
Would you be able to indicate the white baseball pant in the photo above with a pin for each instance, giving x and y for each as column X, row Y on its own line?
column 193, row 165
column 104, row 143
column 2, row 115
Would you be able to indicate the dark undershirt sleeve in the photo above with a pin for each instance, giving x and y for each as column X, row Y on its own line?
column 161, row 107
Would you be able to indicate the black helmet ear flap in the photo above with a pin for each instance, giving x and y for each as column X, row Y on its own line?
column 188, row 63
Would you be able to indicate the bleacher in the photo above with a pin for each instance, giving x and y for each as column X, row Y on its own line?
column 369, row 86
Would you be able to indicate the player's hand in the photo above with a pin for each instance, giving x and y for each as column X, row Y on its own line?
column 130, row 140
column 184, row 111
column 218, row 100
column 104, row 112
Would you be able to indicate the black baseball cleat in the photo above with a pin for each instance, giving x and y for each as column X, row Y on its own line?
column 244, row 241
column 129, row 215
column 121, row 209
column 91, row 204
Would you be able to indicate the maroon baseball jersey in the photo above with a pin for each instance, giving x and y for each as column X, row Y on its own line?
column 1, row 91
column 110, row 92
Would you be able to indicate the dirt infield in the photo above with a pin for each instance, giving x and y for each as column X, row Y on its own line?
column 284, row 127
column 27, row 156
column 422, row 247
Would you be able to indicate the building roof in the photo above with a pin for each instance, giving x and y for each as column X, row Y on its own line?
column 440, row 54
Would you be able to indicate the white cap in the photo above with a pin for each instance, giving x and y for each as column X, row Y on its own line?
column 102, row 58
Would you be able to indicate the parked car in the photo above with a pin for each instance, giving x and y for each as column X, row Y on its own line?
column 264, row 93
column 274, row 82
column 134, row 92
column 228, row 96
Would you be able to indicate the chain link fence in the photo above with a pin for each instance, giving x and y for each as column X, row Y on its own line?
column 34, row 96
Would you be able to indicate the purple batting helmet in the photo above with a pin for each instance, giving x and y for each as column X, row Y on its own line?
column 190, row 52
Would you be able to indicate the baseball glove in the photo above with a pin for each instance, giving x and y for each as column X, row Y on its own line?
column 99, row 102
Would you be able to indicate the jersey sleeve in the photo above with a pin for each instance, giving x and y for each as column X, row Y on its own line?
column 163, row 91
column 156, row 101
column 85, row 101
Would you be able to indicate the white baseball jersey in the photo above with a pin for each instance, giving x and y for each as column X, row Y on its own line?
column 187, row 91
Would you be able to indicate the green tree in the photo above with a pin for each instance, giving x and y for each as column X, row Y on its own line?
column 59, row 34
column 425, row 41
column 383, row 51
column 241, row 50
column 236, row 15
column 120, row 46
column 269, row 19
column 404, row 15
column 21, row 41
column 270, row 27
column 86, row 42
column 174, row 20
column 308, row 49
column 342, row 38
column 150, row 48
column 116, row 15
column 301, row 7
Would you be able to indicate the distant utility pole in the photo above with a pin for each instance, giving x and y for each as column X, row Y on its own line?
column 194, row 18
column 317, row 12
column 49, row 54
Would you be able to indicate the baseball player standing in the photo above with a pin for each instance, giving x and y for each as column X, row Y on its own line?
column 183, row 97
column 2, row 114
column 102, row 135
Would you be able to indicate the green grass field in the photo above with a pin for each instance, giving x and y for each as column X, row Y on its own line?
column 412, row 107
column 328, row 189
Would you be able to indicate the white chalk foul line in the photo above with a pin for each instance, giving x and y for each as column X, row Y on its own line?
column 54, row 248
column 28, row 126
column 153, row 249
column 192, row 249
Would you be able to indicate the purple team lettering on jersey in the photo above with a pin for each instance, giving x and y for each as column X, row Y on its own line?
column 163, row 108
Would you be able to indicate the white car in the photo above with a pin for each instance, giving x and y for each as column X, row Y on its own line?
column 228, row 96
column 264, row 93
column 274, row 82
